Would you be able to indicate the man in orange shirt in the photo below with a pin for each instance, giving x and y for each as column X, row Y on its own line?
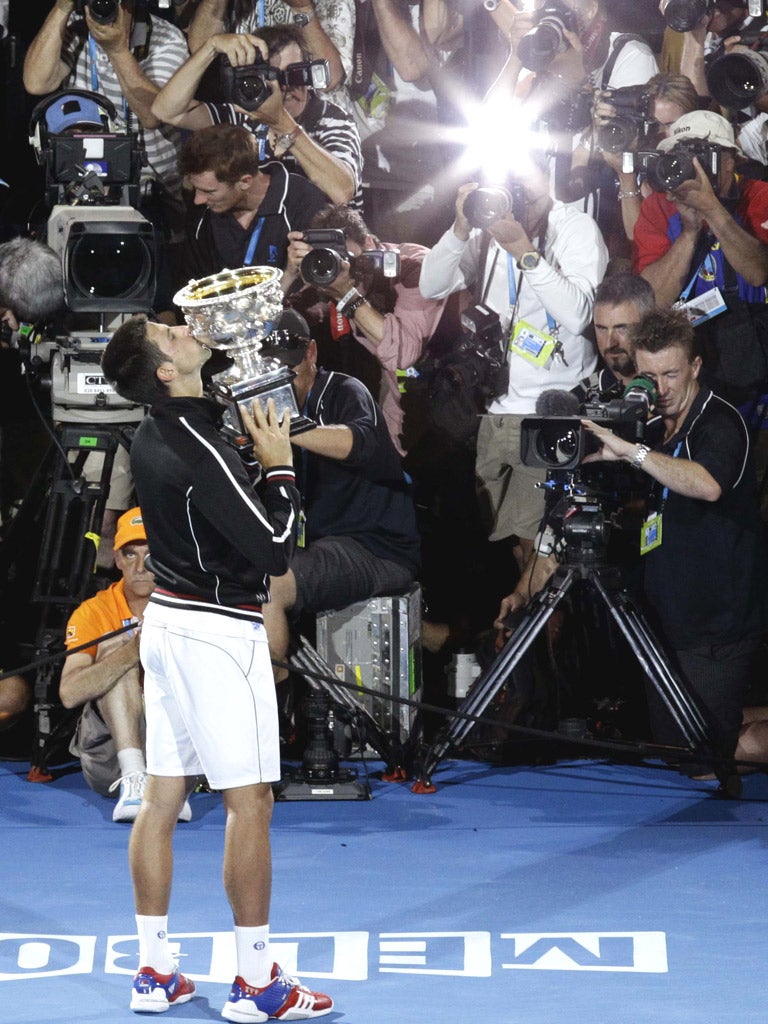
column 106, row 678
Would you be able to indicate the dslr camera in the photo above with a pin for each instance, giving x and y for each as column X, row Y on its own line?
column 667, row 171
column 684, row 15
column 561, row 442
column 632, row 118
column 323, row 265
column 248, row 86
column 103, row 12
column 485, row 205
column 539, row 46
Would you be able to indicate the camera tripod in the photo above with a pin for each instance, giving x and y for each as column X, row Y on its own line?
column 606, row 582
column 74, row 512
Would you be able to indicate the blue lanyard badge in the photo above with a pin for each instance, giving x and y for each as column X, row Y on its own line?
column 253, row 242
column 706, row 304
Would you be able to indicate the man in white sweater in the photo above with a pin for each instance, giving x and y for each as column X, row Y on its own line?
column 539, row 273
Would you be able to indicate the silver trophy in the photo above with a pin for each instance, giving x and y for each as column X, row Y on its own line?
column 235, row 310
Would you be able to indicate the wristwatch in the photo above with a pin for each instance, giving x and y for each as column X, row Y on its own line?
column 529, row 260
column 302, row 18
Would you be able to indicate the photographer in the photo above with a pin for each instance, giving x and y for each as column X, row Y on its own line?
column 359, row 536
column 391, row 319
column 635, row 117
column 702, row 491
column 706, row 242
column 538, row 270
column 310, row 135
column 590, row 52
column 126, row 60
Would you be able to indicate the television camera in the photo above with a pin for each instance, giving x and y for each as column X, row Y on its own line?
column 248, row 86
column 323, row 265
column 554, row 441
column 106, row 247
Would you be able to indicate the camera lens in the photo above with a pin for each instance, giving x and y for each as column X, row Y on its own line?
column 538, row 48
column 110, row 266
column 320, row 267
column 486, row 205
column 684, row 15
column 251, row 91
column 738, row 79
column 616, row 135
column 671, row 170
column 557, row 445
column 104, row 12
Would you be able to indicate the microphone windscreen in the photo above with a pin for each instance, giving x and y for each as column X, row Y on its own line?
column 555, row 402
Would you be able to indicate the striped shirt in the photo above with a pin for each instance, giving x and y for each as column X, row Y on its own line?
column 338, row 20
column 324, row 122
column 167, row 52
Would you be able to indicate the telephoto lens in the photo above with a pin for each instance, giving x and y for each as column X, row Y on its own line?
column 486, row 205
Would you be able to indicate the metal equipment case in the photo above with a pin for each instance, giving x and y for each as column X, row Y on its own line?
column 377, row 644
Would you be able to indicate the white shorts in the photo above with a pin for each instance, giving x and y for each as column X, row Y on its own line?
column 210, row 699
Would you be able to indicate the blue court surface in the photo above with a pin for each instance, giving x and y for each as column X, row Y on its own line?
column 578, row 893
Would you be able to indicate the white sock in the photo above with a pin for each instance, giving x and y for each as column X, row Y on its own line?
column 131, row 760
column 254, row 960
column 154, row 950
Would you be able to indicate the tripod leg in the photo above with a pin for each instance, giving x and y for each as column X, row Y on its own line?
column 490, row 682
column 680, row 701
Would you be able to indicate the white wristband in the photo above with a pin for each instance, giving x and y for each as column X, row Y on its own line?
column 353, row 293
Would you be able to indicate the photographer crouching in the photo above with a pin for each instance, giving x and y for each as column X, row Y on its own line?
column 702, row 543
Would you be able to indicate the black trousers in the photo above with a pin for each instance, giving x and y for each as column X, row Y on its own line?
column 718, row 675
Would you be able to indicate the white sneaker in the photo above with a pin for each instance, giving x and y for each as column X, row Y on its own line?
column 185, row 814
column 131, row 794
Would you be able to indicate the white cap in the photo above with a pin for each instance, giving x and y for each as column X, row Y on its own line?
column 705, row 125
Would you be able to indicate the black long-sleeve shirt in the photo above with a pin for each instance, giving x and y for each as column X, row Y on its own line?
column 213, row 541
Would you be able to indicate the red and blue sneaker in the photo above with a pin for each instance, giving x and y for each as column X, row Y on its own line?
column 283, row 998
column 156, row 993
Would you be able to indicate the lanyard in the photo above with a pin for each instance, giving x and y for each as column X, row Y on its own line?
column 665, row 492
column 253, row 242
column 514, row 293
column 708, row 263
column 95, row 74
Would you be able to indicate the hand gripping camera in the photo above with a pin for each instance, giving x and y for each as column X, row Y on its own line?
column 323, row 265
column 666, row 172
column 248, row 86
column 632, row 118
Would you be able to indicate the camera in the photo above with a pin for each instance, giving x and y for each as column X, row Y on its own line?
column 103, row 12
column 633, row 117
column 539, row 46
column 323, row 265
column 666, row 172
column 684, row 15
column 561, row 442
column 738, row 79
column 248, row 86
column 486, row 205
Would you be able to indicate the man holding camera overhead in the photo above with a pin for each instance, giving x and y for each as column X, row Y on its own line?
column 704, row 242
column 119, row 51
column 309, row 134
column 537, row 268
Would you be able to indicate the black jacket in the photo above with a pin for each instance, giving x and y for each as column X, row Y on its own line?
column 213, row 540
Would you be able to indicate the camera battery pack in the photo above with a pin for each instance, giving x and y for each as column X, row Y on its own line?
column 377, row 644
